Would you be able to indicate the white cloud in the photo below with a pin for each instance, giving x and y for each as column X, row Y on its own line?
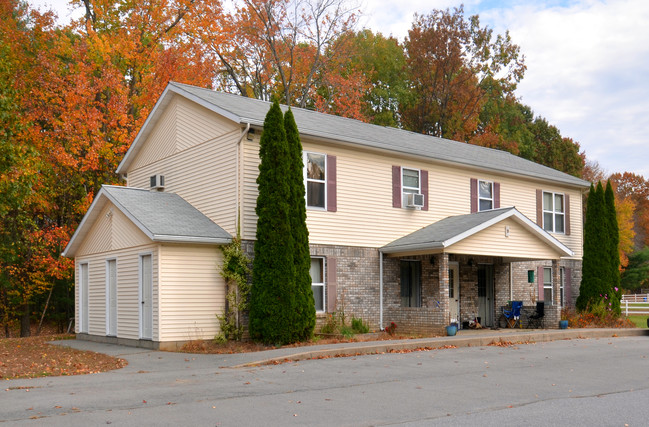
column 588, row 66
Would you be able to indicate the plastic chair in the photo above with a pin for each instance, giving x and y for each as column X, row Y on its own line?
column 513, row 315
column 535, row 320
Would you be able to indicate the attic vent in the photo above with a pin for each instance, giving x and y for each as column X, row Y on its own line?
column 157, row 182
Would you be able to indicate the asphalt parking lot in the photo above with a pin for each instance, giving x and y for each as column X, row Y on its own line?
column 578, row 381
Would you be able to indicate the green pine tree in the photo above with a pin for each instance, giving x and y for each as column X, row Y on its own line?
column 273, row 293
column 596, row 254
column 613, row 284
column 305, row 305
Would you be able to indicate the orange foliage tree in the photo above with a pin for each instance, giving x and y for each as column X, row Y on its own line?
column 449, row 59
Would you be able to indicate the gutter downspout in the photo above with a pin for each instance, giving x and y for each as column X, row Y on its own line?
column 511, row 281
column 380, row 290
column 237, row 223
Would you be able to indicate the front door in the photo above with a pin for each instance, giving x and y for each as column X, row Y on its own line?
column 485, row 294
column 454, row 291
column 111, row 297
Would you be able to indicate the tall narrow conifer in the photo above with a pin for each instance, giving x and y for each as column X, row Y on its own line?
column 613, row 248
column 305, row 306
column 272, row 296
column 596, row 255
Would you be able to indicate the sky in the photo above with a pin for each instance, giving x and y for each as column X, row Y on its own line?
column 587, row 64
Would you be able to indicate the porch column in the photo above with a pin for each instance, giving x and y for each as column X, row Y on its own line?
column 556, row 292
column 443, row 289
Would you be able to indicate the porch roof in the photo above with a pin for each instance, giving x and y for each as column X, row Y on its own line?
column 442, row 235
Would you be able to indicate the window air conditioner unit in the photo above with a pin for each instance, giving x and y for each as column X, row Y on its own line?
column 415, row 200
column 157, row 182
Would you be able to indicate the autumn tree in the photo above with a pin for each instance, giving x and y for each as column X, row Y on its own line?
column 449, row 59
column 382, row 62
column 277, row 47
column 634, row 187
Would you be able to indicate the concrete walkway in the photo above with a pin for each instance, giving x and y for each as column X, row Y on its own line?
column 464, row 338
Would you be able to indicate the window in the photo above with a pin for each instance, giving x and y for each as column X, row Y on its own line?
column 562, row 278
column 553, row 213
column 410, row 284
column 315, row 166
column 317, row 283
column 410, row 184
column 547, row 286
column 485, row 195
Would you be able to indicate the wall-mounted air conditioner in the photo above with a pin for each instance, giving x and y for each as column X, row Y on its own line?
column 157, row 182
column 415, row 200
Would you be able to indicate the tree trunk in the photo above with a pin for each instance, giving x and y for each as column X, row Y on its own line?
column 25, row 322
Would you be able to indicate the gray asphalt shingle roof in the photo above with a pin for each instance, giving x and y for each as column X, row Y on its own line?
column 163, row 217
column 312, row 123
column 166, row 216
column 453, row 229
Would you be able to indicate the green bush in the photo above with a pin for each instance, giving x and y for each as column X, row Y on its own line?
column 359, row 326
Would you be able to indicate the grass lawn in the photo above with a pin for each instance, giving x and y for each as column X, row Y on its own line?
column 640, row 320
column 33, row 357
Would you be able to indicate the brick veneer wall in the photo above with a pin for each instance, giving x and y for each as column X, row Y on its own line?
column 358, row 284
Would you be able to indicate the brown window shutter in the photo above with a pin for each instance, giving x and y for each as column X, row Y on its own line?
column 474, row 195
column 396, row 186
column 332, row 284
column 539, row 280
column 424, row 188
column 332, row 200
column 566, row 205
column 567, row 288
column 539, row 208
column 496, row 195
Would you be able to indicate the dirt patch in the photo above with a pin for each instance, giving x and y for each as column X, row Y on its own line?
column 32, row 357
column 211, row 347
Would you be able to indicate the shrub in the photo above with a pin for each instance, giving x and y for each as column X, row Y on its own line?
column 359, row 326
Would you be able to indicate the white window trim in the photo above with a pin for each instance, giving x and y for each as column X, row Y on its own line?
column 323, row 284
column 485, row 198
column 307, row 180
column 108, row 317
column 554, row 212
column 548, row 286
column 404, row 187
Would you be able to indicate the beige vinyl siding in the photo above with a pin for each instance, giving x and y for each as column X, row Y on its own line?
column 493, row 242
column 192, row 292
column 128, row 301
column 365, row 216
column 203, row 173
column 111, row 231
column 183, row 125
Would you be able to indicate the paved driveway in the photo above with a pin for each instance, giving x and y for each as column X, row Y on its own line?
column 602, row 381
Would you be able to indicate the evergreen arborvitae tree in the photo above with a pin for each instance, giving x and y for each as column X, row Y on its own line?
column 273, row 293
column 305, row 305
column 595, row 263
column 613, row 248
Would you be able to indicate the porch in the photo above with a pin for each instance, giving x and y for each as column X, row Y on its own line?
column 468, row 267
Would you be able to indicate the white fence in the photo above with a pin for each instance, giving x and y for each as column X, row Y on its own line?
column 635, row 298
column 632, row 307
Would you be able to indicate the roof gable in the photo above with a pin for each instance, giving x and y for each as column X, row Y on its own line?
column 162, row 217
column 443, row 234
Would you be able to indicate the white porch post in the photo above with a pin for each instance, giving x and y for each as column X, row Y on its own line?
column 380, row 290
